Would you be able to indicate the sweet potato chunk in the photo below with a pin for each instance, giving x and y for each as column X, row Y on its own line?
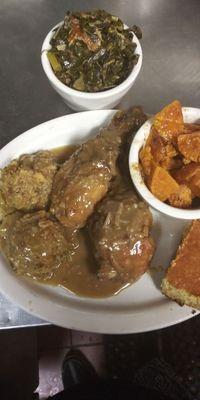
column 186, row 161
column 189, row 146
column 169, row 121
column 163, row 153
column 157, row 146
column 162, row 185
column 188, row 128
column 146, row 160
column 170, row 159
column 182, row 198
column 190, row 176
column 151, row 134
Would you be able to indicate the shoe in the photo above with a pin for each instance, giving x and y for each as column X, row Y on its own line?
column 76, row 369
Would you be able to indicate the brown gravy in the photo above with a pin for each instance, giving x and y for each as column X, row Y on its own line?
column 80, row 277
column 61, row 154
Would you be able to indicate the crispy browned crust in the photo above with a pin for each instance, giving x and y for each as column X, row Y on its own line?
column 182, row 280
column 181, row 296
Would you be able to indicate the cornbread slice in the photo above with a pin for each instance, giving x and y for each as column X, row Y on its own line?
column 182, row 280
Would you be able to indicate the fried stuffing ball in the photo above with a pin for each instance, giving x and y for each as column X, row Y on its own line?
column 26, row 183
column 35, row 244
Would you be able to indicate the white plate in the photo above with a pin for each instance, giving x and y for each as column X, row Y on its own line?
column 139, row 308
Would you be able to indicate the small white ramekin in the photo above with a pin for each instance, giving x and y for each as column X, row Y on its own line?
column 80, row 101
column 190, row 115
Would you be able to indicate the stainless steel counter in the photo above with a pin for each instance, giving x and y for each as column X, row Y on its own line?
column 171, row 69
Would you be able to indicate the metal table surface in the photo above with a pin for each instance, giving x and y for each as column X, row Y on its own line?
column 171, row 69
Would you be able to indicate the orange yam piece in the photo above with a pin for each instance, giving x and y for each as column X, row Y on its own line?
column 182, row 198
column 149, row 139
column 185, row 161
column 190, row 176
column 162, row 184
column 169, row 121
column 157, row 146
column 163, row 153
column 188, row 128
column 146, row 160
column 189, row 146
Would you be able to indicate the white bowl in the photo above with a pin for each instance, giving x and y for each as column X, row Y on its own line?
column 80, row 101
column 190, row 115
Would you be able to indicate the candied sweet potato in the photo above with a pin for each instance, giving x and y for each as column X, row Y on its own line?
column 186, row 161
column 169, row 121
column 190, row 176
column 163, row 153
column 182, row 198
column 189, row 146
column 188, row 128
column 157, row 146
column 146, row 160
column 170, row 159
column 151, row 134
column 162, row 185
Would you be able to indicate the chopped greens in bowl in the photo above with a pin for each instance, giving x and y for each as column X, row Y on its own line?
column 92, row 51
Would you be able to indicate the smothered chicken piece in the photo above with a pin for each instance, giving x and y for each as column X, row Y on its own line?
column 84, row 179
column 119, row 231
column 35, row 244
column 26, row 183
